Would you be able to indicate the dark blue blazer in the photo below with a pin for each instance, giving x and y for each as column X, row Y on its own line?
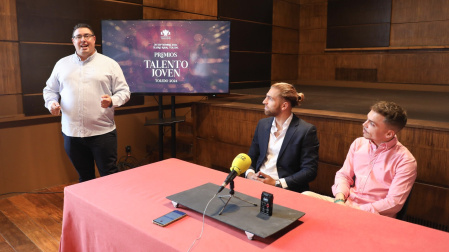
column 298, row 158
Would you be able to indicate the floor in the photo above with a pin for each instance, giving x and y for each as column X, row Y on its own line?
column 32, row 221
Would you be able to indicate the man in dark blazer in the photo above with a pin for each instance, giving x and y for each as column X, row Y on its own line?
column 284, row 150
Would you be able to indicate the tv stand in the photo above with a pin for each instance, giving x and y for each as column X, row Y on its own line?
column 161, row 122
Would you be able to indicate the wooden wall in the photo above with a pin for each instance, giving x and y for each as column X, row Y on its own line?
column 415, row 58
column 217, row 143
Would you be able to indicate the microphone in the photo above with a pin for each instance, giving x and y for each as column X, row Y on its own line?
column 240, row 164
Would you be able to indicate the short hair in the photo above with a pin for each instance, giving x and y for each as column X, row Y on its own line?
column 395, row 115
column 82, row 25
column 288, row 92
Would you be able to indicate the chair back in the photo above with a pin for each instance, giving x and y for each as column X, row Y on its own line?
column 401, row 214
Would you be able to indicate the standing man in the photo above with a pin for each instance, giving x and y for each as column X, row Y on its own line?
column 284, row 150
column 378, row 173
column 89, row 86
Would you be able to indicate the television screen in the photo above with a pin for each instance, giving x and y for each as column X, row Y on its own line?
column 170, row 56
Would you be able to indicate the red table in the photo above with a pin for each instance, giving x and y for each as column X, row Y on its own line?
column 115, row 213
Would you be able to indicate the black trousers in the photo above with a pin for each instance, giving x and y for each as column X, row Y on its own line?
column 85, row 152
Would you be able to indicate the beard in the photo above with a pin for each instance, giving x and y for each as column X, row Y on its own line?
column 271, row 112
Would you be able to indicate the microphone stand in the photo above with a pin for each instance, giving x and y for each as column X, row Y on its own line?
column 231, row 194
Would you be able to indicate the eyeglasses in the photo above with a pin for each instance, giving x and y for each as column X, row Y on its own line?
column 85, row 36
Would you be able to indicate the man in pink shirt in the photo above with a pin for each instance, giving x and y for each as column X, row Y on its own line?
column 378, row 173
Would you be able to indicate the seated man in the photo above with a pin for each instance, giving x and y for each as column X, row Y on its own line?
column 378, row 173
column 284, row 150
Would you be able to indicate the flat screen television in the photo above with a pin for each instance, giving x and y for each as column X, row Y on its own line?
column 170, row 56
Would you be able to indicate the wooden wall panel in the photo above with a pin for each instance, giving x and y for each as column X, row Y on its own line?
column 419, row 34
column 249, row 36
column 34, row 17
column 355, row 12
column 285, row 40
column 204, row 7
column 424, row 68
column 357, row 60
column 429, row 205
column 312, row 41
column 285, row 14
column 249, row 66
column 250, row 10
column 416, row 28
column 12, row 105
column 223, row 155
column 238, row 129
column 284, row 67
column 37, row 62
column 9, row 68
column 311, row 47
column 316, row 67
column 154, row 13
column 370, row 35
column 412, row 11
column 313, row 16
column 325, row 179
column 8, row 20
column 34, row 105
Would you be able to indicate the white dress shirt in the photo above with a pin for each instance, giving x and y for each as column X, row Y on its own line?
column 80, row 85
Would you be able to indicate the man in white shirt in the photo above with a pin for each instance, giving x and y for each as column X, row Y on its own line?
column 284, row 150
column 89, row 86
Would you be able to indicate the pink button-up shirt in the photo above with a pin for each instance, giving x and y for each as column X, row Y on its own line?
column 384, row 176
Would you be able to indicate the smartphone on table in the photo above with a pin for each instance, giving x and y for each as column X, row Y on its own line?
column 169, row 218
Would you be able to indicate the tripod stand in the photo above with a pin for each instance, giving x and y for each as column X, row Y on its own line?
column 231, row 194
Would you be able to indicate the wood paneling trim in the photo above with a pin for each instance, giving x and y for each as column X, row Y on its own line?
column 9, row 68
column 8, row 20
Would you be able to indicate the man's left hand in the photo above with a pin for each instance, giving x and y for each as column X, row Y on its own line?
column 262, row 177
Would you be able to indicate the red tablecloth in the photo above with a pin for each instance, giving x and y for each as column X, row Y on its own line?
column 115, row 213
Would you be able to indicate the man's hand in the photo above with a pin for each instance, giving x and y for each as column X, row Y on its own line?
column 262, row 177
column 55, row 108
column 106, row 101
column 251, row 176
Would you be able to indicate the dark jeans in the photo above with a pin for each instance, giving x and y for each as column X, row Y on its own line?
column 85, row 152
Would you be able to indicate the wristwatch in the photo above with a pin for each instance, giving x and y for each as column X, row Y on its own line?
column 278, row 183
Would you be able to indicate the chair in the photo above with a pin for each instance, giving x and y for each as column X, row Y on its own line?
column 401, row 214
